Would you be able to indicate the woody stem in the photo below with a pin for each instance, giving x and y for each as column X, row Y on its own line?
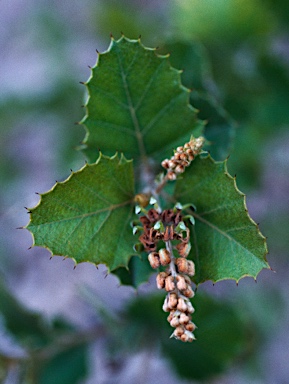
column 169, row 247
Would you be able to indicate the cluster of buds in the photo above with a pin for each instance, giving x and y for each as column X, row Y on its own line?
column 166, row 226
column 182, row 157
column 177, row 301
column 169, row 228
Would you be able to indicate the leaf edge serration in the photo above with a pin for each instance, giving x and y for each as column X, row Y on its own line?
column 116, row 157
column 199, row 124
column 233, row 179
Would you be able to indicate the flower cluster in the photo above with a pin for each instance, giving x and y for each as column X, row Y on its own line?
column 169, row 228
column 182, row 157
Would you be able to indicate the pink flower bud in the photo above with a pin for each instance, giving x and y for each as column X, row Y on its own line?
column 161, row 277
column 164, row 256
column 169, row 284
column 154, row 260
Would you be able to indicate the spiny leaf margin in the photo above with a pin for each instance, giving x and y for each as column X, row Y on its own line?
column 119, row 241
column 144, row 91
column 212, row 262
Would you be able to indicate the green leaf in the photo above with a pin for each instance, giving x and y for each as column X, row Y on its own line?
column 87, row 217
column 66, row 367
column 28, row 327
column 192, row 57
column 137, row 104
column 138, row 271
column 222, row 336
column 227, row 243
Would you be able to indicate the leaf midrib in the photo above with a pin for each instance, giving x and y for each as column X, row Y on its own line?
column 214, row 227
column 111, row 208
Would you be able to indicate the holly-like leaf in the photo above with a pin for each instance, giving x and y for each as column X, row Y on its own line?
column 137, row 104
column 87, row 217
column 227, row 243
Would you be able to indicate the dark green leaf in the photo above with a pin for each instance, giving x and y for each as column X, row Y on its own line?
column 192, row 57
column 87, row 216
column 227, row 243
column 137, row 104
column 221, row 337
column 26, row 326
column 66, row 367
column 138, row 271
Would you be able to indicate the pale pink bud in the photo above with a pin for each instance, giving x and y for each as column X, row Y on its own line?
column 171, row 175
column 165, row 164
column 169, row 284
column 165, row 257
column 182, row 265
column 179, row 331
column 188, row 292
column 179, row 168
column 181, row 283
column 183, row 249
column 190, row 327
column 161, row 277
column 175, row 322
column 154, row 260
column 184, row 319
column 182, row 306
column 191, row 268
column 172, row 300
column 190, row 308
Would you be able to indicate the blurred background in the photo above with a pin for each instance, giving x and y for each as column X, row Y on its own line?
column 64, row 325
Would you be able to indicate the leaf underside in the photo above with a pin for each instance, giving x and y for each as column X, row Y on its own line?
column 137, row 104
column 227, row 243
column 87, row 216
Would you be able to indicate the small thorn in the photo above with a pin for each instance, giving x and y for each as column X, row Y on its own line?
column 29, row 248
column 29, row 212
column 96, row 266
column 139, row 37
column 237, row 283
column 121, row 33
column 89, row 67
column 156, row 48
column 74, row 267
column 106, row 275
column 26, row 208
column 50, row 258
column 97, row 51
column 255, row 281
column 19, row 227
column 213, row 284
column 71, row 170
column 37, row 193
column 77, row 123
column 81, row 82
column 111, row 35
